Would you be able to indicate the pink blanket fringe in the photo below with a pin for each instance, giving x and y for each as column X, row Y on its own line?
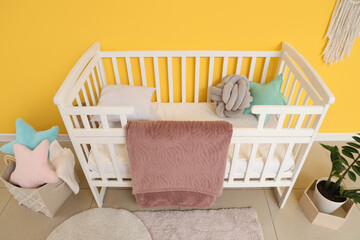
column 177, row 163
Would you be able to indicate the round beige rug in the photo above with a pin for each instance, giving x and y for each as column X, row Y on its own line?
column 101, row 223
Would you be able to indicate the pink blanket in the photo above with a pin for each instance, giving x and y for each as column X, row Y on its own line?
column 177, row 163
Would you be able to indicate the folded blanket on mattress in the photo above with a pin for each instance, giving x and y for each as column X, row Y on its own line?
column 177, row 163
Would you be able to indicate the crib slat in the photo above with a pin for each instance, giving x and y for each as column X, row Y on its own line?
column 101, row 73
column 76, row 121
column 308, row 120
column 102, row 82
column 116, row 70
column 299, row 121
column 265, row 69
column 170, row 80
column 298, row 96
column 129, row 71
column 86, row 150
column 210, row 79
column 85, row 121
column 308, row 117
column 157, row 79
column 284, row 70
column 316, row 121
column 85, row 96
column 286, row 83
column 104, row 121
column 78, row 101
column 295, row 103
column 123, row 120
column 280, row 67
column 114, row 161
column 95, row 84
column 251, row 159
column 291, row 91
column 197, row 77
column 284, row 160
column 91, row 91
column 297, row 148
column 280, row 121
column 289, row 120
column 233, row 162
column 142, row 69
column 98, row 161
column 252, row 68
column 238, row 65
column 183, row 79
column 261, row 121
column 225, row 66
column 306, row 100
column 267, row 161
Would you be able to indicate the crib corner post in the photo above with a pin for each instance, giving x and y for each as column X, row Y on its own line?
column 98, row 196
column 283, row 196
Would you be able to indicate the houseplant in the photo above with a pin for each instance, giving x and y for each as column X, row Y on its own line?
column 329, row 191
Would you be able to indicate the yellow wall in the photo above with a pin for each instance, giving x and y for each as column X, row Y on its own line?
column 40, row 41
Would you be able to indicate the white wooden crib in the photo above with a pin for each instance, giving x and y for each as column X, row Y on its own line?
column 260, row 155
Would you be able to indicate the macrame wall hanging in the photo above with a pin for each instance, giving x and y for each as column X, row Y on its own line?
column 344, row 28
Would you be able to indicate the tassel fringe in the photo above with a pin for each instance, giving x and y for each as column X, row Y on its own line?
column 344, row 28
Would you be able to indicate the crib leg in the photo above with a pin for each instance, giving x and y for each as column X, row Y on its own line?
column 282, row 196
column 98, row 196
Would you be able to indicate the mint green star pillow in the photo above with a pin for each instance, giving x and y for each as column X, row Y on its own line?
column 266, row 94
column 27, row 136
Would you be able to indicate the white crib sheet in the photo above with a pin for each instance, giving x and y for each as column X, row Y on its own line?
column 240, row 167
column 204, row 111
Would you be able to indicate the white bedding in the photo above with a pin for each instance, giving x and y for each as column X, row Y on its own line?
column 240, row 166
column 202, row 112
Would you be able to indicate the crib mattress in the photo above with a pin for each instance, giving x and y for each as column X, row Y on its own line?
column 256, row 166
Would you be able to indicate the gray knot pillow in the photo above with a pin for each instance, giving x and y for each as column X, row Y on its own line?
column 231, row 96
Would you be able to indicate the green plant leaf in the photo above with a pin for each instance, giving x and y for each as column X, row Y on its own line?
column 352, row 176
column 337, row 165
column 330, row 148
column 350, row 149
column 356, row 169
column 341, row 190
column 347, row 153
column 353, row 144
column 334, row 156
column 356, row 138
column 343, row 160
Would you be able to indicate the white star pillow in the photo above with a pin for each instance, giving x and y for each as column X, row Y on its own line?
column 32, row 169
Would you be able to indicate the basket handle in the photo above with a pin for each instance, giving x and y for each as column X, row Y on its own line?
column 8, row 158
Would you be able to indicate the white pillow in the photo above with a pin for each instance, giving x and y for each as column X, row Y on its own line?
column 125, row 95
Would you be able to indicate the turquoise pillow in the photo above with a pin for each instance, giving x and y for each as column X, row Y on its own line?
column 266, row 94
column 27, row 136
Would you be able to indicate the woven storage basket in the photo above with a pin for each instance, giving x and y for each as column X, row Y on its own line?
column 46, row 199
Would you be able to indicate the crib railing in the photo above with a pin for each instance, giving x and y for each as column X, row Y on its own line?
column 203, row 61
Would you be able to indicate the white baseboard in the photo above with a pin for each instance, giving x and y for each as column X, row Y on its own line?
column 334, row 137
column 321, row 137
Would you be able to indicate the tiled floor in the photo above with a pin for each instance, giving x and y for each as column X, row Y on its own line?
column 18, row 222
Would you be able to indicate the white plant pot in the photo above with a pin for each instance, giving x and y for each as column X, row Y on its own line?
column 323, row 204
